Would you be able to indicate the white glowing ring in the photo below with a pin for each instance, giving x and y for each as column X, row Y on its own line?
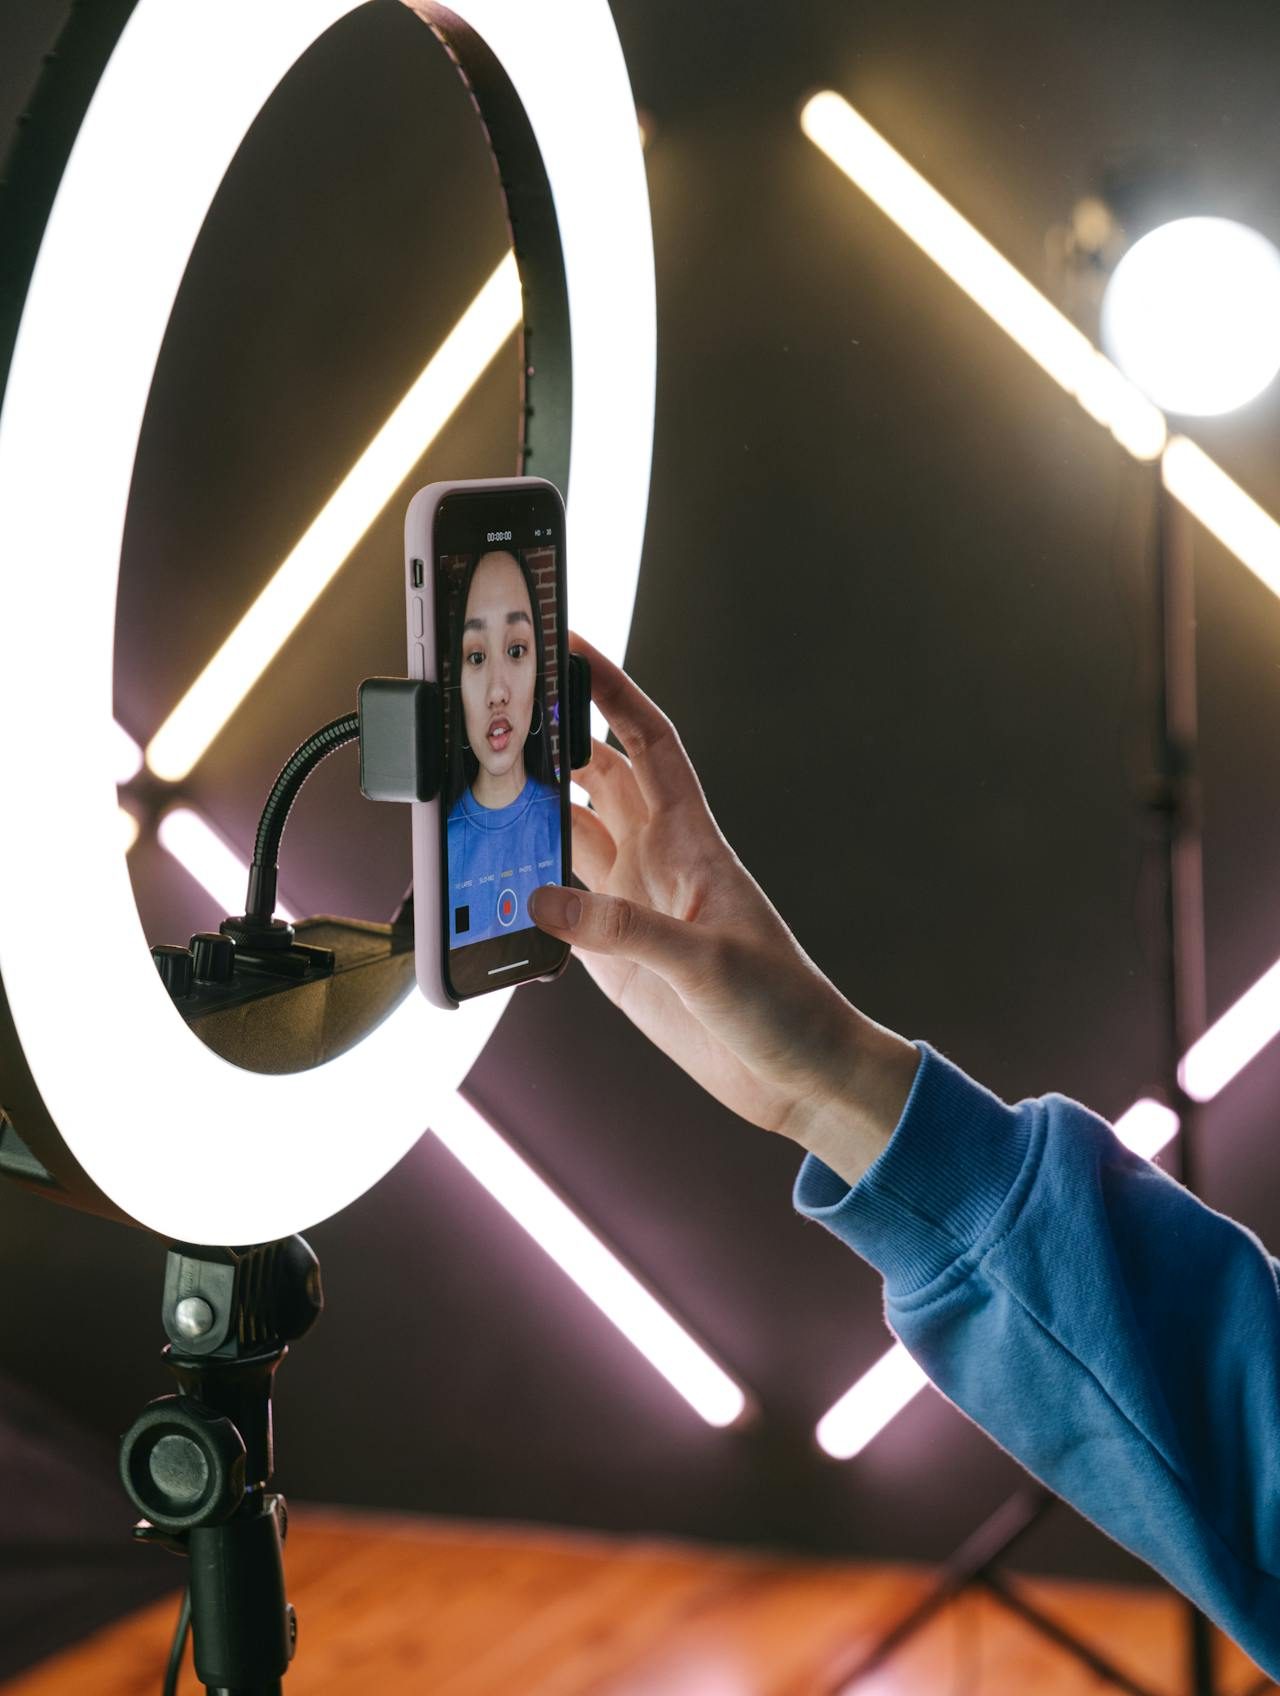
column 185, row 1143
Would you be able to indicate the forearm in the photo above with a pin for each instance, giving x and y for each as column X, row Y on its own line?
column 848, row 1121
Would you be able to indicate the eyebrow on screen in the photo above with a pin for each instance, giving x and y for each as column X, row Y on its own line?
column 512, row 618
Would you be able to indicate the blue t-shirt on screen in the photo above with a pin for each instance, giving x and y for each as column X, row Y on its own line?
column 497, row 857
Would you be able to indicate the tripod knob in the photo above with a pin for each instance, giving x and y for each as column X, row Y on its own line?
column 214, row 957
column 182, row 1464
column 174, row 965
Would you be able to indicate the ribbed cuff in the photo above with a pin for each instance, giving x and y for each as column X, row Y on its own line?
column 934, row 1191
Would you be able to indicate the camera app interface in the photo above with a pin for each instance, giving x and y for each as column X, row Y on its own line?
column 498, row 664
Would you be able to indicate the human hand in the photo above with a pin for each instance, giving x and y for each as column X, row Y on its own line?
column 680, row 936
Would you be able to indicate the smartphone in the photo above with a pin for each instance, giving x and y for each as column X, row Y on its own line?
column 488, row 623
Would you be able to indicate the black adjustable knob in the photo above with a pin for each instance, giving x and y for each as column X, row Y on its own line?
column 213, row 956
column 182, row 1464
column 174, row 965
column 579, row 710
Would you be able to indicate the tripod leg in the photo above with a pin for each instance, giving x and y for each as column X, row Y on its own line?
column 1092, row 1658
column 988, row 1543
column 1200, row 1645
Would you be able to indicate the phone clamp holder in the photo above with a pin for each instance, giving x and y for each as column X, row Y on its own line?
column 401, row 730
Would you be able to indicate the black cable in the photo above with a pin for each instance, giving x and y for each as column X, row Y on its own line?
column 260, row 903
column 179, row 1645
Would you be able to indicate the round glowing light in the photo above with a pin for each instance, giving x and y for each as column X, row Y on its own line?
column 183, row 1142
column 1192, row 315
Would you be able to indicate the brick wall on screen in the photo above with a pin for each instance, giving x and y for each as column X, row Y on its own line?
column 542, row 568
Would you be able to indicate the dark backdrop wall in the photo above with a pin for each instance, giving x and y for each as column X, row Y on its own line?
column 892, row 597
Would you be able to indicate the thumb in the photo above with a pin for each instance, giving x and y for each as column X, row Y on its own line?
column 611, row 924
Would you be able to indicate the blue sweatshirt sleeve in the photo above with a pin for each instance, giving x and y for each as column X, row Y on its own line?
column 1106, row 1328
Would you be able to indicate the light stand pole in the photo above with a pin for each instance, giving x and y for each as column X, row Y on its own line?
column 1175, row 808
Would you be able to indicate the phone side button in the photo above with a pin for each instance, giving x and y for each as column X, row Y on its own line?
column 419, row 660
column 417, row 616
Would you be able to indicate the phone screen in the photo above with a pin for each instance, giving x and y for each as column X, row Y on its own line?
column 499, row 588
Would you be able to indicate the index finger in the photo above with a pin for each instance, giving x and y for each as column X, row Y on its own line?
column 651, row 742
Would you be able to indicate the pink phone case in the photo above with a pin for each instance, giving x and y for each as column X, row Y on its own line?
column 429, row 917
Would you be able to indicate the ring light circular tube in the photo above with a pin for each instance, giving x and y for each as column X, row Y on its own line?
column 171, row 1135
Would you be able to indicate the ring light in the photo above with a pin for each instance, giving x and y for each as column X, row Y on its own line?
column 132, row 1113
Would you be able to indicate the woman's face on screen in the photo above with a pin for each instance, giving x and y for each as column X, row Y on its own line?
column 499, row 664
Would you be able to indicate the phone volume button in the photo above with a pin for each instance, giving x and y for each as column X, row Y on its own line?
column 417, row 616
column 419, row 660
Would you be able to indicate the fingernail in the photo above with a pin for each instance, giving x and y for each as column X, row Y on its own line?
column 556, row 906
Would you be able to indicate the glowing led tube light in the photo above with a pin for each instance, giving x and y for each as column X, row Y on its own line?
column 985, row 275
column 580, row 1254
column 128, row 755
column 213, row 863
column 171, row 109
column 337, row 528
column 1229, row 1044
column 1147, row 1127
column 1223, row 508
column 867, row 1406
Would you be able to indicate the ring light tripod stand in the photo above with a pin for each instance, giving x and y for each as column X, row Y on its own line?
column 231, row 1312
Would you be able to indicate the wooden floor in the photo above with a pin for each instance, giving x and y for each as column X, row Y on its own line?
column 438, row 1608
